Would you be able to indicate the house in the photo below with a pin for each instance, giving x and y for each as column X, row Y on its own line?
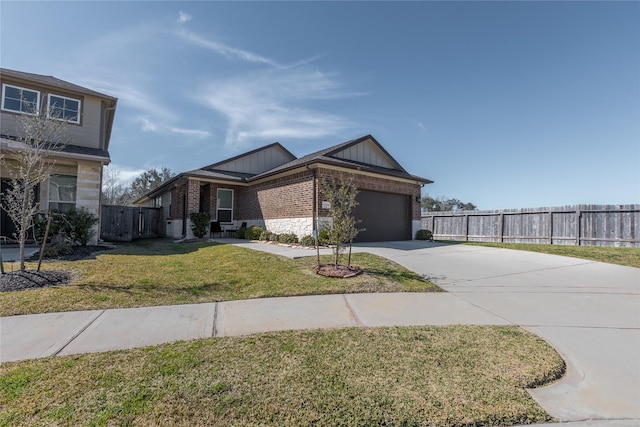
column 273, row 189
column 77, row 178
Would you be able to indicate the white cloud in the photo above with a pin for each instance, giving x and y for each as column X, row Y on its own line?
column 273, row 104
column 196, row 133
column 225, row 50
column 146, row 124
column 184, row 17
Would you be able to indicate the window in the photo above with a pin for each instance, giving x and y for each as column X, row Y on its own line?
column 157, row 202
column 63, row 108
column 19, row 99
column 225, row 205
column 62, row 192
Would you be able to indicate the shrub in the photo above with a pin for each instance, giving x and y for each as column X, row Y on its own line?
column 274, row 237
column 323, row 236
column 77, row 226
column 199, row 223
column 253, row 232
column 266, row 236
column 288, row 238
column 308, row 240
column 424, row 235
column 242, row 231
column 57, row 250
column 40, row 225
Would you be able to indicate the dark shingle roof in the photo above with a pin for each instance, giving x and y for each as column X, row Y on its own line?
column 325, row 156
column 52, row 81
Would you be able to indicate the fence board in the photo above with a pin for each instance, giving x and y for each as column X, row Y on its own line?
column 590, row 225
column 125, row 223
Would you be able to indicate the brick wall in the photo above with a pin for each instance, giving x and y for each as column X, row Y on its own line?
column 288, row 197
column 177, row 202
column 193, row 196
column 373, row 184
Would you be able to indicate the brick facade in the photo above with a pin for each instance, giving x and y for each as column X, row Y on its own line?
column 283, row 204
column 370, row 183
column 288, row 197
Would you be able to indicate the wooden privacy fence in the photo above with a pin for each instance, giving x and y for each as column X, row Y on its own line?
column 125, row 223
column 587, row 225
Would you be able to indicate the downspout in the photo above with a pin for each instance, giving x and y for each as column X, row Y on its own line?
column 314, row 213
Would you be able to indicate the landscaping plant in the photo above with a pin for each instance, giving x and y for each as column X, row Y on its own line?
column 341, row 194
column 200, row 223
column 424, row 235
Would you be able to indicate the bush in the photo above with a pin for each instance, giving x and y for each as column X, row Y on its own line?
column 266, row 236
column 308, row 240
column 77, row 226
column 424, row 235
column 40, row 225
column 288, row 238
column 323, row 237
column 199, row 223
column 242, row 231
column 253, row 232
column 57, row 250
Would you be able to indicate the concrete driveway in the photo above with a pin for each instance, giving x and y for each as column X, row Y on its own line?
column 589, row 311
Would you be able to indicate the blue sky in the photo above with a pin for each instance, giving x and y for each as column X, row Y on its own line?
column 503, row 104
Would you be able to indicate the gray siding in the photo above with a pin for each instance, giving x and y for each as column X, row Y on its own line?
column 257, row 162
column 86, row 134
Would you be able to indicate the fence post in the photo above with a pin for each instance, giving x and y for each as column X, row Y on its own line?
column 466, row 227
column 501, row 227
column 578, row 231
column 551, row 227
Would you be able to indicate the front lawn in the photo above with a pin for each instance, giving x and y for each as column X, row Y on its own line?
column 629, row 257
column 160, row 272
column 411, row 376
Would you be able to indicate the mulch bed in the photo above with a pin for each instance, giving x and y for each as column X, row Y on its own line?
column 30, row 279
column 342, row 271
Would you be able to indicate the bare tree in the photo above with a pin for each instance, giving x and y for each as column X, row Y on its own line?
column 27, row 158
column 341, row 194
column 113, row 191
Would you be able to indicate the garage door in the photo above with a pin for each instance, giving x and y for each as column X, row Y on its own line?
column 385, row 216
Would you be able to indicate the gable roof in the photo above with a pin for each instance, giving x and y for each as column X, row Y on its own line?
column 362, row 154
column 255, row 161
column 52, row 82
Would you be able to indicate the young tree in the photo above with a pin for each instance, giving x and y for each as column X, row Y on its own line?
column 27, row 159
column 341, row 194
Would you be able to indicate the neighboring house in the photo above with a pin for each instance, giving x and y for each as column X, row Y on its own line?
column 77, row 180
column 271, row 188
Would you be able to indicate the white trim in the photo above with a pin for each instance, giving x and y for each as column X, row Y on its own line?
column 77, row 121
column 5, row 85
column 224, row 209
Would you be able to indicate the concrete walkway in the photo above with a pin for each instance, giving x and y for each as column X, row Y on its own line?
column 589, row 311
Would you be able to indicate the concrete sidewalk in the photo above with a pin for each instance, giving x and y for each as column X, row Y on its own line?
column 50, row 334
column 589, row 311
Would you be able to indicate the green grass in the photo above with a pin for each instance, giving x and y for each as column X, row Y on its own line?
column 622, row 256
column 159, row 272
column 411, row 376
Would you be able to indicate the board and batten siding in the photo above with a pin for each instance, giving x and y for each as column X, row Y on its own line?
column 585, row 225
column 257, row 162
